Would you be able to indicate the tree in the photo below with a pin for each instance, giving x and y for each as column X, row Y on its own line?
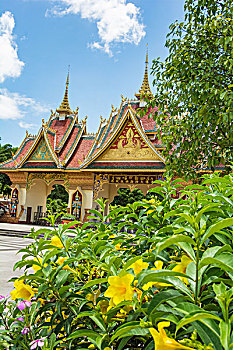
column 6, row 152
column 125, row 196
column 59, row 192
column 55, row 206
column 194, row 88
column 57, row 200
column 5, row 184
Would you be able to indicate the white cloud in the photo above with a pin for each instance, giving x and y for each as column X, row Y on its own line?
column 16, row 106
column 118, row 21
column 10, row 64
column 27, row 125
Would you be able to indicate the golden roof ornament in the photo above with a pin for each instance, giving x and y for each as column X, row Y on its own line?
column 123, row 99
column 145, row 88
column 65, row 107
column 76, row 111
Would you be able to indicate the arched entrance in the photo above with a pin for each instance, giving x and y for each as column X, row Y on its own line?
column 76, row 207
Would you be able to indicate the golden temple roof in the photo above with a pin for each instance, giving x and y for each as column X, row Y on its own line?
column 145, row 88
column 65, row 107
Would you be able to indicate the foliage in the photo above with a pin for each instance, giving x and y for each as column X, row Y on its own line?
column 5, row 184
column 158, row 278
column 126, row 196
column 55, row 206
column 194, row 88
column 68, row 216
column 6, row 152
column 59, row 192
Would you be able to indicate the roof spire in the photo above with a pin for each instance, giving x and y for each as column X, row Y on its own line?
column 145, row 88
column 65, row 107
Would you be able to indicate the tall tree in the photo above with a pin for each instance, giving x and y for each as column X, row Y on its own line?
column 125, row 196
column 59, row 192
column 6, row 152
column 194, row 88
column 5, row 184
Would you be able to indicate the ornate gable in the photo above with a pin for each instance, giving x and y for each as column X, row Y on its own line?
column 129, row 146
column 41, row 153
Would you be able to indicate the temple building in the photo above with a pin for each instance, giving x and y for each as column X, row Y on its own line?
column 125, row 152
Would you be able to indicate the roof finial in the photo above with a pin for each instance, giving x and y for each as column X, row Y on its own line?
column 145, row 88
column 65, row 107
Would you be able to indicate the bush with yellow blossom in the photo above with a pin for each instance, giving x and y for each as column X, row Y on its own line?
column 132, row 280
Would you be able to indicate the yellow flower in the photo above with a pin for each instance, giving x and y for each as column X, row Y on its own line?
column 120, row 288
column 60, row 261
column 153, row 205
column 56, row 242
column 103, row 305
column 22, row 290
column 182, row 267
column 138, row 266
column 158, row 266
column 42, row 301
column 37, row 267
column 93, row 296
column 118, row 246
column 161, row 340
column 151, row 201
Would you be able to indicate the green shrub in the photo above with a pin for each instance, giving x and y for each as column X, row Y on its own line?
column 158, row 279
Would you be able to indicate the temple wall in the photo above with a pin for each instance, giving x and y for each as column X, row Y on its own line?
column 36, row 196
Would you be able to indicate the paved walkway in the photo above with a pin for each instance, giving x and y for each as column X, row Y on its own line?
column 19, row 227
column 11, row 241
column 9, row 246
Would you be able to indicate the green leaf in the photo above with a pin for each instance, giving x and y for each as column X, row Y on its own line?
column 165, row 276
column 196, row 316
column 225, row 329
column 82, row 333
column 95, row 282
column 217, row 228
column 49, row 255
column 209, row 208
column 174, row 240
column 224, row 261
column 61, row 277
column 163, row 296
column 129, row 330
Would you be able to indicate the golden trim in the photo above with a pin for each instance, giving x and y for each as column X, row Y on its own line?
column 96, row 136
column 125, row 116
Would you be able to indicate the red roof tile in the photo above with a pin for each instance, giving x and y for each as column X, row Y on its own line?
column 82, row 150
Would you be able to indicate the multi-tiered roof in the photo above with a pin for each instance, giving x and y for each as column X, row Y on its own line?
column 125, row 141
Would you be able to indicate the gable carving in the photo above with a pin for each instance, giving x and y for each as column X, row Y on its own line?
column 129, row 145
column 41, row 152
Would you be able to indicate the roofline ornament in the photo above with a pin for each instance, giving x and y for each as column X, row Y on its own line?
column 65, row 107
column 145, row 87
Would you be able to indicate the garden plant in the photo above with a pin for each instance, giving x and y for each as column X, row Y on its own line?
column 156, row 274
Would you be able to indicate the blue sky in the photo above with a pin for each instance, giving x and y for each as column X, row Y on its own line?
column 103, row 41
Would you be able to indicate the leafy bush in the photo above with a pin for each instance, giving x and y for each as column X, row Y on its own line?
column 161, row 279
column 55, row 206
